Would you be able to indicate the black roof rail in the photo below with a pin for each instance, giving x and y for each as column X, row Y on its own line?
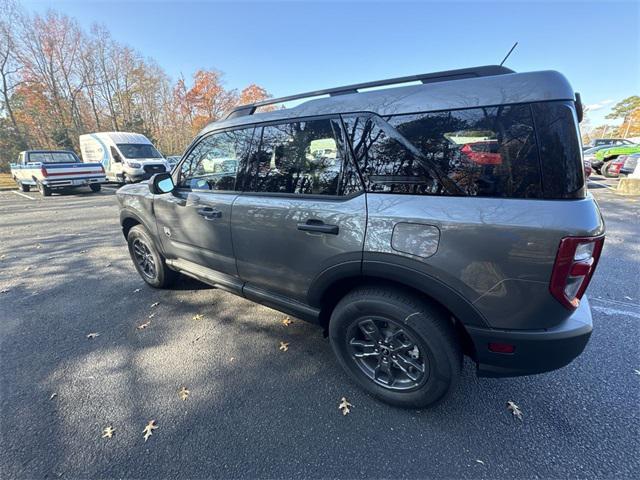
column 483, row 71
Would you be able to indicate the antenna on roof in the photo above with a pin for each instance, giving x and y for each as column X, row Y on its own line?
column 512, row 49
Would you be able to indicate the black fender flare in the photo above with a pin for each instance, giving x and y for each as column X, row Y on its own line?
column 413, row 276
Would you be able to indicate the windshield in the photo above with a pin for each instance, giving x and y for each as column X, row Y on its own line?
column 53, row 157
column 138, row 150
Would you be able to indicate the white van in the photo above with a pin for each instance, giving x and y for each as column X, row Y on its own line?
column 126, row 157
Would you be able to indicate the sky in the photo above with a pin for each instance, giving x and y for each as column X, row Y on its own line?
column 295, row 46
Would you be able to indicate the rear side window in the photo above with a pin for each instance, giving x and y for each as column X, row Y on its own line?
column 560, row 152
column 473, row 152
column 301, row 158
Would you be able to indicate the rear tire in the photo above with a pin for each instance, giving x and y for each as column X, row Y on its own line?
column 95, row 187
column 148, row 260
column 44, row 190
column 397, row 346
column 25, row 188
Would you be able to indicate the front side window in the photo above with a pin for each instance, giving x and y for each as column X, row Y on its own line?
column 300, row 158
column 138, row 150
column 214, row 162
column 474, row 152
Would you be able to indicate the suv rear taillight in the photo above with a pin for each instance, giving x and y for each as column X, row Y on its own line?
column 101, row 169
column 44, row 172
column 575, row 263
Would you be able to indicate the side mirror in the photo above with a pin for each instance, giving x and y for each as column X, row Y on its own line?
column 161, row 183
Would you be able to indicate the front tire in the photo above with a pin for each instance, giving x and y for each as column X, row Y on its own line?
column 605, row 170
column 95, row 187
column 148, row 260
column 397, row 346
column 25, row 188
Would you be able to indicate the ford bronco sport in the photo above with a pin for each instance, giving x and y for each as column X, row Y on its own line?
column 416, row 224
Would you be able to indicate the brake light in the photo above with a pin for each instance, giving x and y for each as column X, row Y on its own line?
column 574, row 266
column 44, row 172
column 101, row 168
column 616, row 167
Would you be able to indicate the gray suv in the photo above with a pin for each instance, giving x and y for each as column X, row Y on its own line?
column 415, row 224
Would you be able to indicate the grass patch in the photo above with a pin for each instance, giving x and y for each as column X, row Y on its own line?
column 6, row 182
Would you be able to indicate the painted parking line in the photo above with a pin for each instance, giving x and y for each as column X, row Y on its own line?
column 22, row 194
column 602, row 184
column 615, row 307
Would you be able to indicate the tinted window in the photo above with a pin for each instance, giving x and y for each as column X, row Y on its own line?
column 475, row 152
column 299, row 158
column 138, row 150
column 560, row 153
column 213, row 163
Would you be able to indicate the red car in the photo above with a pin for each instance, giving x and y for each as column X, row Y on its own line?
column 481, row 153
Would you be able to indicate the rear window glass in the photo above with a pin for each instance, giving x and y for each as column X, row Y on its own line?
column 560, row 152
column 53, row 157
column 298, row 158
column 472, row 152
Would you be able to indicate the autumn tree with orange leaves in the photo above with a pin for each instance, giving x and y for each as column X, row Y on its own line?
column 58, row 81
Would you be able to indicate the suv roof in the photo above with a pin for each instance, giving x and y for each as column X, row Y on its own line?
column 475, row 87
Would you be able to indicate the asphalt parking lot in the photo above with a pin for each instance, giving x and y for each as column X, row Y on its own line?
column 257, row 412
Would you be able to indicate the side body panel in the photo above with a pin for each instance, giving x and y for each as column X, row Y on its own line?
column 496, row 253
column 274, row 255
column 196, row 226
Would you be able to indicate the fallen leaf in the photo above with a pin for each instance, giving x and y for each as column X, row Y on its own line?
column 5, row 290
column 136, row 290
column 628, row 298
column 232, row 359
column 92, row 335
column 2, row 257
column 198, row 317
column 148, row 430
column 480, row 462
column 53, row 395
column 155, row 304
column 344, row 406
column 514, row 409
column 151, row 315
column 108, row 432
column 284, row 346
column 143, row 326
column 108, row 265
column 38, row 246
column 27, row 268
column 286, row 321
column 637, row 372
column 83, row 251
column 184, row 393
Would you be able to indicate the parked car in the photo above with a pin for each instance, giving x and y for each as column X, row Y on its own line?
column 172, row 160
column 50, row 170
column 408, row 245
column 598, row 142
column 126, row 157
column 629, row 164
column 603, row 155
column 587, row 167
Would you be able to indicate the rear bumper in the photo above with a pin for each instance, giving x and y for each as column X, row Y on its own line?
column 73, row 182
column 536, row 351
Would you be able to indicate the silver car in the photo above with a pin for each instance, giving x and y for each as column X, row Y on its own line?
column 415, row 224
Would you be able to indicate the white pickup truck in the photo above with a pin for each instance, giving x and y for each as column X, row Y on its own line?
column 49, row 170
